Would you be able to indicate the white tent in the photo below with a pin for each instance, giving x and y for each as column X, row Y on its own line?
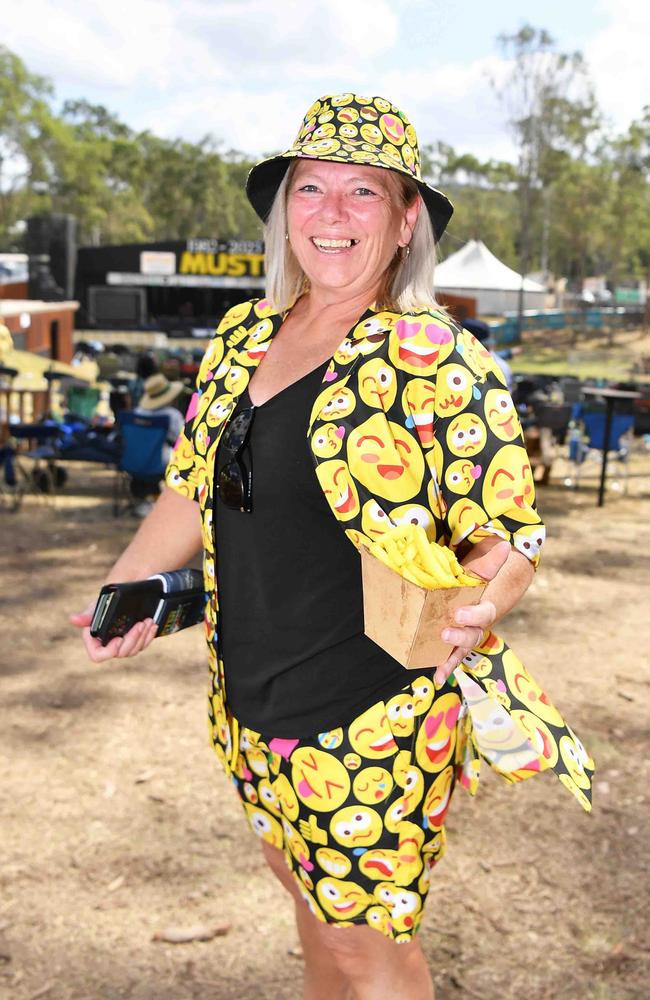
column 474, row 272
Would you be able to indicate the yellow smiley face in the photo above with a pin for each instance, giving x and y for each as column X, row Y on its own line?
column 527, row 691
column 372, row 784
column 319, row 779
column 393, row 128
column 374, row 520
column 437, row 735
column 347, row 115
column 477, row 664
column 263, row 825
column 236, row 380
column 333, row 862
column 539, row 735
column 454, row 386
column 286, row 797
column 418, row 346
column 296, row 845
column 477, row 357
column 502, row 415
column 377, row 384
column 268, row 797
column 325, row 131
column 385, row 459
column 378, row 917
column 371, row 133
column 575, row 758
column 418, row 403
column 339, row 489
column 401, row 710
column 332, row 404
column 423, row 692
column 321, row 147
column 529, row 540
column 235, row 316
column 352, row 761
column 464, row 517
column 331, row 739
column 508, row 484
column 258, row 342
column 378, row 864
column 438, row 798
column 327, row 440
column 370, row 734
column 403, row 906
column 339, row 100
column 349, row 131
column 461, row 475
column 356, row 826
column 219, row 410
column 466, row 435
column 341, row 899
column 409, row 853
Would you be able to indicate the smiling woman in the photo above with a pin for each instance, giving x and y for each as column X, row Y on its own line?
column 342, row 405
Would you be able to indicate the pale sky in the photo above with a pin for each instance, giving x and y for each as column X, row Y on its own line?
column 247, row 70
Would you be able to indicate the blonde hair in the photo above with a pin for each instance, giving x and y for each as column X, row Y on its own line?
column 408, row 282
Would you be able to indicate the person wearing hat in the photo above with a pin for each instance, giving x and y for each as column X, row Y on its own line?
column 342, row 403
column 158, row 397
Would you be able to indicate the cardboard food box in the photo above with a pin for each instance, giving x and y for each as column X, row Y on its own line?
column 406, row 620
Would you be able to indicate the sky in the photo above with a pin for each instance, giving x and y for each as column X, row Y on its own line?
column 246, row 71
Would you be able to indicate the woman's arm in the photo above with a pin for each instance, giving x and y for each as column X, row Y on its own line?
column 166, row 540
column 509, row 574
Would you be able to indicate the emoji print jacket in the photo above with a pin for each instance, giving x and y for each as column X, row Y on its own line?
column 412, row 423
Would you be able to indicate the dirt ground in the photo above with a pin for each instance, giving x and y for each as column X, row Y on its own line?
column 117, row 822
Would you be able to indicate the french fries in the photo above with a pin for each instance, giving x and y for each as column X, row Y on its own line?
column 407, row 550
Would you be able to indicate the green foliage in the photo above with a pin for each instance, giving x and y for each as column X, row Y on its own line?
column 576, row 202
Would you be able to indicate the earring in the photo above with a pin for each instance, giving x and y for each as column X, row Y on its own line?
column 286, row 236
column 403, row 252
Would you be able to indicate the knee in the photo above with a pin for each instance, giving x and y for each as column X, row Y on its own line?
column 355, row 949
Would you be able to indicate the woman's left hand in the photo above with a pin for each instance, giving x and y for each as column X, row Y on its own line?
column 471, row 621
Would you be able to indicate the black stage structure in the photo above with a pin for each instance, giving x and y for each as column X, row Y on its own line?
column 181, row 287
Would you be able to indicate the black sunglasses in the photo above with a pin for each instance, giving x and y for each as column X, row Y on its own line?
column 235, row 481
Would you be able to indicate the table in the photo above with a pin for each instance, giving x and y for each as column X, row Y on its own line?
column 611, row 397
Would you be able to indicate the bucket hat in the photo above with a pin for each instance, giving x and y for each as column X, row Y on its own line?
column 349, row 128
column 159, row 391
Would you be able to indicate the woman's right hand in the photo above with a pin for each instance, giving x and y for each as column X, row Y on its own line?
column 121, row 647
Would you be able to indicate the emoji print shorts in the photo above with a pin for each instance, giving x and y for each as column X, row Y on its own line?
column 358, row 811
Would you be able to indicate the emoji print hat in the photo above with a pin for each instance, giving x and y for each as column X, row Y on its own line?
column 348, row 128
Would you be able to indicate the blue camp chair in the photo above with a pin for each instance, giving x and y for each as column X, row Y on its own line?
column 141, row 465
column 592, row 440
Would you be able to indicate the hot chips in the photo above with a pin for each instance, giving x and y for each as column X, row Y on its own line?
column 408, row 551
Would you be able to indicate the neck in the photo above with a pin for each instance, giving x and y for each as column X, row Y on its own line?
column 334, row 307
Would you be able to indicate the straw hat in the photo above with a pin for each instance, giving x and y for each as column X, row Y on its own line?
column 159, row 391
column 348, row 128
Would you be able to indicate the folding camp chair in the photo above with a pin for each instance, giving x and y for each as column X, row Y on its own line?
column 141, row 465
column 592, row 441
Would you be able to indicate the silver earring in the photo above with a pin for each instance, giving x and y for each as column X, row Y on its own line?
column 403, row 252
column 286, row 236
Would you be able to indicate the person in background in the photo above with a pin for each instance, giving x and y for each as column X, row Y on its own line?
column 146, row 365
column 157, row 399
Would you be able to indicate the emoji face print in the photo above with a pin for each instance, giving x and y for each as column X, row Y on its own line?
column 528, row 691
column 333, row 862
column 400, row 710
column 466, row 435
column 264, row 825
column 438, row 798
column 378, row 864
column 477, row 664
column 476, row 356
column 420, row 345
column 342, row 899
column 372, row 784
column 259, row 341
column 331, row 739
column 321, row 147
column 409, row 856
column 268, row 797
column 453, row 389
column 402, row 905
column 423, row 692
column 418, row 403
column 412, row 513
column 327, row 440
column 377, row 384
column 295, row 844
column 379, row 918
column 372, row 331
column 236, row 380
column 437, row 735
column 508, row 483
column 336, row 403
column 286, row 797
column 370, row 734
column 374, row 520
column 529, row 540
column 371, row 133
column 320, row 780
column 235, row 316
column 356, row 826
column 501, row 414
column 325, row 131
column 385, row 459
column 460, row 476
column 393, row 129
column 339, row 489
column 539, row 735
column 576, row 758
column 219, row 410
column 349, row 131
column 465, row 516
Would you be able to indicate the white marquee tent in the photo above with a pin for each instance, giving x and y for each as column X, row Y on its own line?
column 474, row 272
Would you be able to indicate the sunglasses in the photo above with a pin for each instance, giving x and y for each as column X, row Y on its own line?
column 235, row 481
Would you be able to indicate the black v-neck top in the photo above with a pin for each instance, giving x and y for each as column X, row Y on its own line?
column 297, row 662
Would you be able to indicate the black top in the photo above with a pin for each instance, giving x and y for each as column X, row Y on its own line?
column 296, row 660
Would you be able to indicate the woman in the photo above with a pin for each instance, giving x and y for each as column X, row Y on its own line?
column 345, row 763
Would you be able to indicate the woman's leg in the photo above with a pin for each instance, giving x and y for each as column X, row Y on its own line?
column 322, row 980
column 375, row 966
